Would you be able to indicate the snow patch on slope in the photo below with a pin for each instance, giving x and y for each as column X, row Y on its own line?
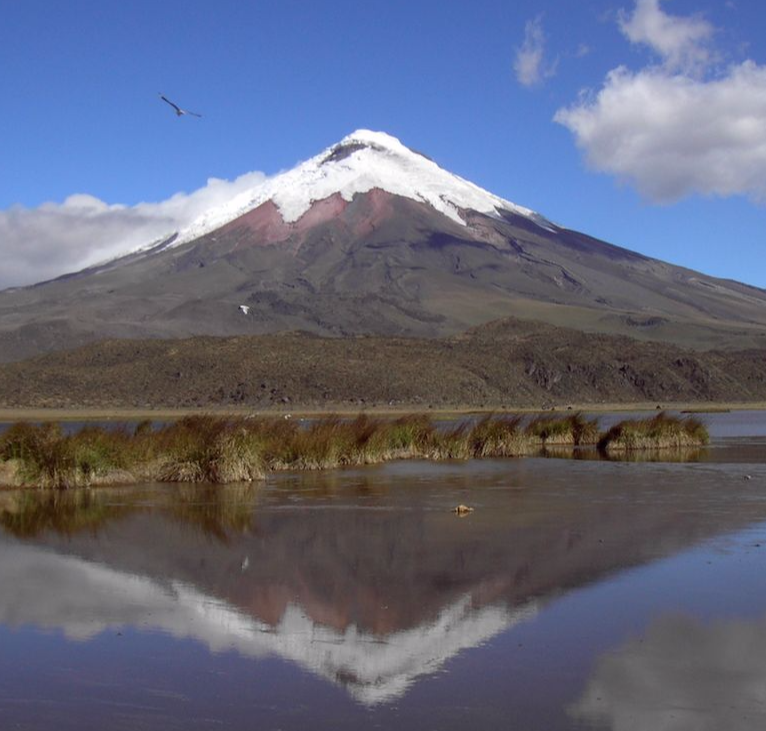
column 359, row 163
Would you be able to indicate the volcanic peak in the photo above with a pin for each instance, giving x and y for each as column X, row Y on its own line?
column 360, row 162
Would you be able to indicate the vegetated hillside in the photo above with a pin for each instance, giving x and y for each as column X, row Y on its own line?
column 508, row 363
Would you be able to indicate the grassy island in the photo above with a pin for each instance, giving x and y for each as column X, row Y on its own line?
column 658, row 432
column 226, row 449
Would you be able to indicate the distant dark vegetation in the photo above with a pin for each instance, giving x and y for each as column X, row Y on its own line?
column 506, row 364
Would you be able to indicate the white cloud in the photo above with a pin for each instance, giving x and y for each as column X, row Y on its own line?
column 55, row 238
column 673, row 133
column 530, row 65
column 682, row 42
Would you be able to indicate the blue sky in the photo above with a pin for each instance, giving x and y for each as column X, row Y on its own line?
column 666, row 156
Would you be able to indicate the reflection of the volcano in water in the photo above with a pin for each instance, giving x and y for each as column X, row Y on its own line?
column 364, row 583
column 84, row 599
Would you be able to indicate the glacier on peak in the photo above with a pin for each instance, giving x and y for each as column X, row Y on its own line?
column 360, row 162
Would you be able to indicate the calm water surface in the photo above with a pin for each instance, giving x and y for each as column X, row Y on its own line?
column 579, row 594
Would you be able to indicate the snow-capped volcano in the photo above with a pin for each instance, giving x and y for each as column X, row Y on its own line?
column 361, row 162
column 371, row 237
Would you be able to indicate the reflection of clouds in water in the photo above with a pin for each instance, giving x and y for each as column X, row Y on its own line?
column 76, row 596
column 682, row 676
column 82, row 599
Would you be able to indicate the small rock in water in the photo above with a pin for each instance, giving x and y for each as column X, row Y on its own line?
column 462, row 509
column 747, row 477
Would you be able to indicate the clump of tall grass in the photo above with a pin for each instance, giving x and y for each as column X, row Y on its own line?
column 658, row 432
column 195, row 449
column 324, row 444
column 206, row 448
column 452, row 443
column 333, row 442
column 23, row 440
column 49, row 458
column 571, row 430
column 409, row 436
column 499, row 437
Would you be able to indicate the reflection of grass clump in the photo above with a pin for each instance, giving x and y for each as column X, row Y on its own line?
column 678, row 455
column 63, row 512
column 218, row 511
column 659, row 432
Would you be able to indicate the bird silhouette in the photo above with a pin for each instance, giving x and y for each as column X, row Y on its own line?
column 179, row 112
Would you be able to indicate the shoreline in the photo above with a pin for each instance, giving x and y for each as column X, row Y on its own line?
column 117, row 414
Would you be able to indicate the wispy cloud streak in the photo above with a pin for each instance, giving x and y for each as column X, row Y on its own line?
column 530, row 65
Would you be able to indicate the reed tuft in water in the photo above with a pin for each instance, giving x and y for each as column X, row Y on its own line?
column 658, row 432
column 205, row 449
column 45, row 456
column 500, row 437
column 571, row 430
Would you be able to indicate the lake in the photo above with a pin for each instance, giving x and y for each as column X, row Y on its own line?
column 579, row 594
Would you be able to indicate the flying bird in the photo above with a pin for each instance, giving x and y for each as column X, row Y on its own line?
column 179, row 112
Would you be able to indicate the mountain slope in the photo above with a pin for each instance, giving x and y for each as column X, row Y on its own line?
column 508, row 363
column 372, row 238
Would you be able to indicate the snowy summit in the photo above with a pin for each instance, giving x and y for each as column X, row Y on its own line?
column 359, row 163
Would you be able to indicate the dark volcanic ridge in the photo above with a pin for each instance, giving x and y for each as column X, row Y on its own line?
column 337, row 251
column 509, row 363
